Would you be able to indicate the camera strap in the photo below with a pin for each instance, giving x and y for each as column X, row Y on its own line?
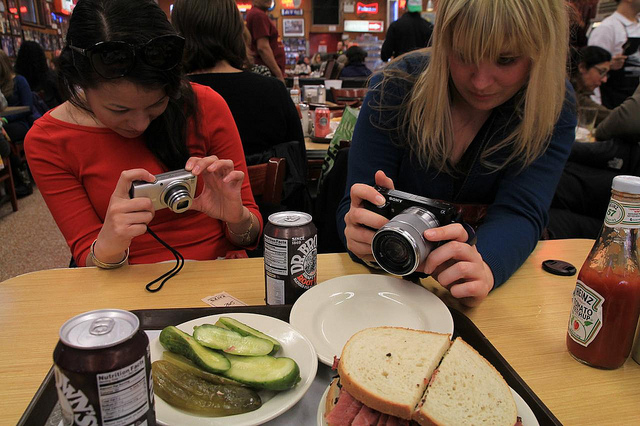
column 167, row 275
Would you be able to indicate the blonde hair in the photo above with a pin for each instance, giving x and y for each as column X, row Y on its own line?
column 483, row 30
column 6, row 75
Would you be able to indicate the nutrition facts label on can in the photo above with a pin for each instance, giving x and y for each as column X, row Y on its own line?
column 276, row 255
column 123, row 394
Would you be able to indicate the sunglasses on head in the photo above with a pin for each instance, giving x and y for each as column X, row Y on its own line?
column 114, row 59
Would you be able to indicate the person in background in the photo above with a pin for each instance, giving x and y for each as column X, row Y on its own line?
column 355, row 66
column 340, row 48
column 31, row 63
column 261, row 106
column 589, row 69
column 303, row 67
column 17, row 92
column 408, row 33
column 250, row 64
column 622, row 121
column 484, row 119
column 128, row 120
column 316, row 62
column 612, row 34
column 264, row 39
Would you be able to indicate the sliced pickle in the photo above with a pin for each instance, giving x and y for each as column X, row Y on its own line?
column 190, row 393
column 231, row 342
column 245, row 330
column 190, row 367
column 179, row 342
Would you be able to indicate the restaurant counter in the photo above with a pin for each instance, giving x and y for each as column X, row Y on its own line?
column 525, row 319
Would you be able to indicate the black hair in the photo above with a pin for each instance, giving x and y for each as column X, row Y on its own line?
column 356, row 55
column 588, row 56
column 31, row 63
column 213, row 30
column 135, row 22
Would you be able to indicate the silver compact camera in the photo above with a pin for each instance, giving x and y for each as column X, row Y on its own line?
column 174, row 190
column 399, row 246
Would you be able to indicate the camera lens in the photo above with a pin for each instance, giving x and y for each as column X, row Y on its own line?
column 395, row 252
column 177, row 198
column 399, row 246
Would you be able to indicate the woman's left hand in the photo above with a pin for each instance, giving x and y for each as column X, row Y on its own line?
column 221, row 196
column 458, row 266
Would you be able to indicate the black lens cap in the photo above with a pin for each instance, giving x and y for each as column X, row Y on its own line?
column 559, row 267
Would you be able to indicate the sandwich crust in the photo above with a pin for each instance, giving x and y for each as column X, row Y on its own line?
column 388, row 368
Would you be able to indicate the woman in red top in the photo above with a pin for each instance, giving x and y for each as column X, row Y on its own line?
column 130, row 116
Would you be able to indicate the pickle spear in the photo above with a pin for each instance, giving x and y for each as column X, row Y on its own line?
column 190, row 393
column 231, row 342
column 190, row 367
column 179, row 342
column 245, row 330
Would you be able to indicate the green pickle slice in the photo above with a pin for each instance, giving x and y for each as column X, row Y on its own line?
column 186, row 391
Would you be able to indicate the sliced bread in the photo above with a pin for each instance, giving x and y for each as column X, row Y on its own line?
column 388, row 368
column 466, row 390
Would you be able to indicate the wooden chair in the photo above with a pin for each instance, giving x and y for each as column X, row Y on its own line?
column 7, row 177
column 267, row 179
column 351, row 97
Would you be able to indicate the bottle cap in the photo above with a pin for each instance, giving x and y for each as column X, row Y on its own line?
column 625, row 183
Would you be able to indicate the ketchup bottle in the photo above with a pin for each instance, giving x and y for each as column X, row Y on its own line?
column 606, row 300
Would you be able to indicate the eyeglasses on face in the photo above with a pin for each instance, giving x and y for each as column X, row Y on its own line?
column 115, row 59
column 602, row 71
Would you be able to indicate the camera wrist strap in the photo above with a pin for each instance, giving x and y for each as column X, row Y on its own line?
column 167, row 275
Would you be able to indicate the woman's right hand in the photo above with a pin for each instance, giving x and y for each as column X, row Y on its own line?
column 362, row 223
column 617, row 61
column 126, row 218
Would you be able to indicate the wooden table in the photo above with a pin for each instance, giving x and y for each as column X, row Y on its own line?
column 525, row 319
column 14, row 110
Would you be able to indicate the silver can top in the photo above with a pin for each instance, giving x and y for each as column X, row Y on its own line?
column 99, row 329
column 290, row 218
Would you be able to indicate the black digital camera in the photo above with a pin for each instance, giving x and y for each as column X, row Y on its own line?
column 399, row 246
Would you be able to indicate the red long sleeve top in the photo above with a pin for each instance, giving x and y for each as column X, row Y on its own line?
column 77, row 167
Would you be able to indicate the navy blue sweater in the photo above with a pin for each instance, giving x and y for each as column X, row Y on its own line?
column 519, row 199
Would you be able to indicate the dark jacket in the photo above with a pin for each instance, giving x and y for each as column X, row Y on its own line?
column 408, row 33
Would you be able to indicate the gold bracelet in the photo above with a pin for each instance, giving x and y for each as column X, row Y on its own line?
column 100, row 264
column 246, row 235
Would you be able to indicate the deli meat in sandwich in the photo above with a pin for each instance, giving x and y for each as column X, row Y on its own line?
column 398, row 376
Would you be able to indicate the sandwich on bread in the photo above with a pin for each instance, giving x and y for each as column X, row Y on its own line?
column 396, row 376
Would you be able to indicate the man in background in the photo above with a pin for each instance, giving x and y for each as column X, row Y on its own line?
column 615, row 33
column 408, row 33
column 264, row 39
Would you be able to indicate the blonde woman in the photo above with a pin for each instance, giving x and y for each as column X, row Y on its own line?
column 485, row 118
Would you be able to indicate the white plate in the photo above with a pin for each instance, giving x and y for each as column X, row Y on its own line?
column 334, row 310
column 294, row 345
column 524, row 411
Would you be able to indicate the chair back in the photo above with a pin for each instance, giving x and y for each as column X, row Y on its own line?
column 328, row 70
column 7, row 176
column 267, row 179
column 352, row 97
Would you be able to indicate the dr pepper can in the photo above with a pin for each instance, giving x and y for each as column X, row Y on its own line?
column 290, row 256
column 102, row 368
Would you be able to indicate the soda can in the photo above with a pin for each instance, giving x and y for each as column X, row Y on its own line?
column 102, row 367
column 322, row 125
column 290, row 256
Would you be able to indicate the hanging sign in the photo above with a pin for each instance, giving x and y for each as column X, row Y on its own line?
column 358, row 26
column 291, row 4
column 291, row 12
column 371, row 8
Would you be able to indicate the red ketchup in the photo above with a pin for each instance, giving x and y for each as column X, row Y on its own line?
column 606, row 300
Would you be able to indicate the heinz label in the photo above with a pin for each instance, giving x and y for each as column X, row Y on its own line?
column 621, row 214
column 585, row 320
